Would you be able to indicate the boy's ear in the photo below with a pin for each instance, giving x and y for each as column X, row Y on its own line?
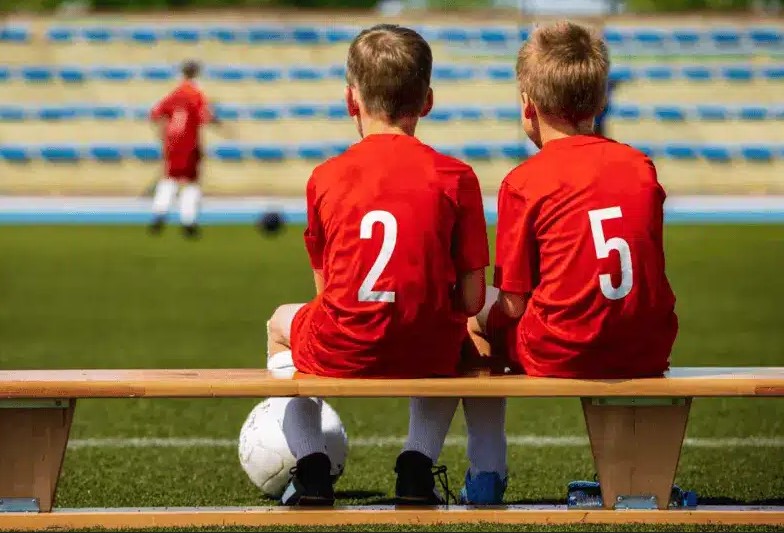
column 529, row 111
column 351, row 102
column 428, row 104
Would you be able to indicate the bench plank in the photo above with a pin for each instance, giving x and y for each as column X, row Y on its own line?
column 189, row 383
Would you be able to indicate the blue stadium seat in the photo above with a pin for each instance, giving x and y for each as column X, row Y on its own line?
column 144, row 35
column 110, row 112
column 14, row 153
column 659, row 72
column 777, row 112
column 614, row 37
column 105, row 153
column 312, row 151
column 267, row 74
column 513, row 150
column 37, row 74
column 507, row 113
column 338, row 147
column 773, row 73
column 725, row 37
column 766, row 36
column 56, row 112
column 304, row 110
column 136, row 112
column 648, row 149
column 753, row 112
column 523, row 34
column 648, row 36
column 184, row 34
column 712, row 112
column 337, row 111
column 454, row 35
column 265, row 112
column 60, row 153
column 60, row 34
column 146, row 152
column 12, row 113
column 495, row 36
column 337, row 34
column 72, row 74
column 305, row 35
column 229, row 73
column 268, row 153
column 306, row 73
column 225, row 34
column 449, row 150
column 5, row 73
column 477, row 151
column 697, row 73
column 680, row 151
column 625, row 111
column 266, row 34
column 716, row 153
column 158, row 72
column 112, row 73
column 737, row 73
column 442, row 114
column 469, row 113
column 14, row 34
column 757, row 152
column 452, row 72
column 669, row 113
column 500, row 72
column 686, row 36
column 228, row 111
column 622, row 73
column 97, row 35
column 336, row 72
column 231, row 152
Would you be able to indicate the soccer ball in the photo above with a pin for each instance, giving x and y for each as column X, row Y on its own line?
column 264, row 454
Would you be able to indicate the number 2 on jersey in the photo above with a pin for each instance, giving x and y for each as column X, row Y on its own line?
column 603, row 248
column 387, row 219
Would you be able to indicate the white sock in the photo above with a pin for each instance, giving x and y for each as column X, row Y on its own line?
column 428, row 424
column 486, row 424
column 190, row 200
column 165, row 192
column 302, row 427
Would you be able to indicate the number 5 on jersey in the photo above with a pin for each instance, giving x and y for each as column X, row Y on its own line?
column 386, row 219
column 603, row 248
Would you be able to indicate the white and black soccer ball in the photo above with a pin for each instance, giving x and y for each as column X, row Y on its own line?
column 264, row 454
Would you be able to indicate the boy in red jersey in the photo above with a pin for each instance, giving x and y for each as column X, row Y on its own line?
column 580, row 272
column 397, row 240
column 180, row 116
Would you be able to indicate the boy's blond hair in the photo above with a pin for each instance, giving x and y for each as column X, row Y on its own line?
column 391, row 67
column 564, row 69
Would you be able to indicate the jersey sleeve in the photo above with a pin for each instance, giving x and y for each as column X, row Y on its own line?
column 314, row 232
column 203, row 109
column 470, row 248
column 162, row 108
column 516, row 255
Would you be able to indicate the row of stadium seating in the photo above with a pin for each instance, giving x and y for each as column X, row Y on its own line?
column 106, row 152
column 726, row 37
column 443, row 72
column 337, row 111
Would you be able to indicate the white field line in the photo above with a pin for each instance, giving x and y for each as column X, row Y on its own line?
column 531, row 441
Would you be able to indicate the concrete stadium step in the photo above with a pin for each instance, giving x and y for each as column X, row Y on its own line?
column 288, row 178
column 685, row 92
column 731, row 131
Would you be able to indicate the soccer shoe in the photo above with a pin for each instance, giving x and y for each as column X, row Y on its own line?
column 191, row 231
column 485, row 488
column 156, row 226
column 416, row 480
column 311, row 482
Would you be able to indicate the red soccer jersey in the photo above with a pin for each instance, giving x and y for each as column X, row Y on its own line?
column 391, row 223
column 185, row 110
column 580, row 231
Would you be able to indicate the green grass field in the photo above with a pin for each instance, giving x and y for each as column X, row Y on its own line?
column 80, row 297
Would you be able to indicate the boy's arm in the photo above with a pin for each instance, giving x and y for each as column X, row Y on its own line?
column 470, row 248
column 314, row 238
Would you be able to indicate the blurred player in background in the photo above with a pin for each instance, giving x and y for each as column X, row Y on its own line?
column 180, row 116
column 581, row 289
column 397, row 241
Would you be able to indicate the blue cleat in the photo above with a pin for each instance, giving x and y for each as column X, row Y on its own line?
column 486, row 488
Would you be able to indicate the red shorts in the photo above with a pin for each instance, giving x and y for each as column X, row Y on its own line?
column 183, row 165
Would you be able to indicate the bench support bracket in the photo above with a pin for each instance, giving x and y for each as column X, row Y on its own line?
column 636, row 444
column 33, row 437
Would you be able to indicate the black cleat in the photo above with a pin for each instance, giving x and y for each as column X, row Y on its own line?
column 416, row 480
column 191, row 231
column 156, row 226
column 311, row 483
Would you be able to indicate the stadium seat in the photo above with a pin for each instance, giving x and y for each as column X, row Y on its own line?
column 686, row 37
column 307, row 35
column 513, row 150
column 757, row 152
column 337, row 111
column 649, row 36
column 107, row 112
column 225, row 34
column 752, row 112
column 97, row 35
column 14, row 153
column 60, row 34
column 265, row 74
column 338, row 147
column 265, row 34
column 715, row 153
column 679, row 151
column 144, row 35
column 184, row 35
column 622, row 73
column 12, row 113
column 614, row 37
column 337, row 34
column 773, row 73
column 452, row 72
column 5, row 73
column 265, row 112
column 766, row 36
column 442, row 114
column 669, row 113
column 500, row 73
column 305, row 110
column 316, row 151
column 507, row 113
column 454, row 35
column 105, row 153
column 697, row 73
column 658, row 73
column 14, row 34
column 60, row 153
column 227, row 152
column 37, row 74
column 158, row 72
column 477, row 151
column 495, row 36
column 146, row 152
column 472, row 113
column 302, row 73
column 54, row 113
column 725, row 37
column 71, row 74
column 712, row 112
column 648, row 149
column 228, row 73
column 112, row 73
column 625, row 111
column 737, row 73
column 268, row 153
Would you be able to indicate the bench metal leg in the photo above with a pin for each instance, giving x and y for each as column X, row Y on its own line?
column 636, row 445
column 33, row 437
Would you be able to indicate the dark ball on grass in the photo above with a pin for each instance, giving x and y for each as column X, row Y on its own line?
column 271, row 223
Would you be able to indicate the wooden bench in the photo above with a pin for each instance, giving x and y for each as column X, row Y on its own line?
column 635, row 427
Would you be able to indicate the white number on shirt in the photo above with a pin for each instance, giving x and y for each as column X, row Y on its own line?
column 603, row 248
column 177, row 123
column 366, row 292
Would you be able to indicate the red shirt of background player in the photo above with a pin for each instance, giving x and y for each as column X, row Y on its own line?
column 580, row 230
column 391, row 222
column 185, row 110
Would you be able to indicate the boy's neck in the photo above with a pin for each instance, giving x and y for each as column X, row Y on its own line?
column 375, row 126
column 554, row 129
